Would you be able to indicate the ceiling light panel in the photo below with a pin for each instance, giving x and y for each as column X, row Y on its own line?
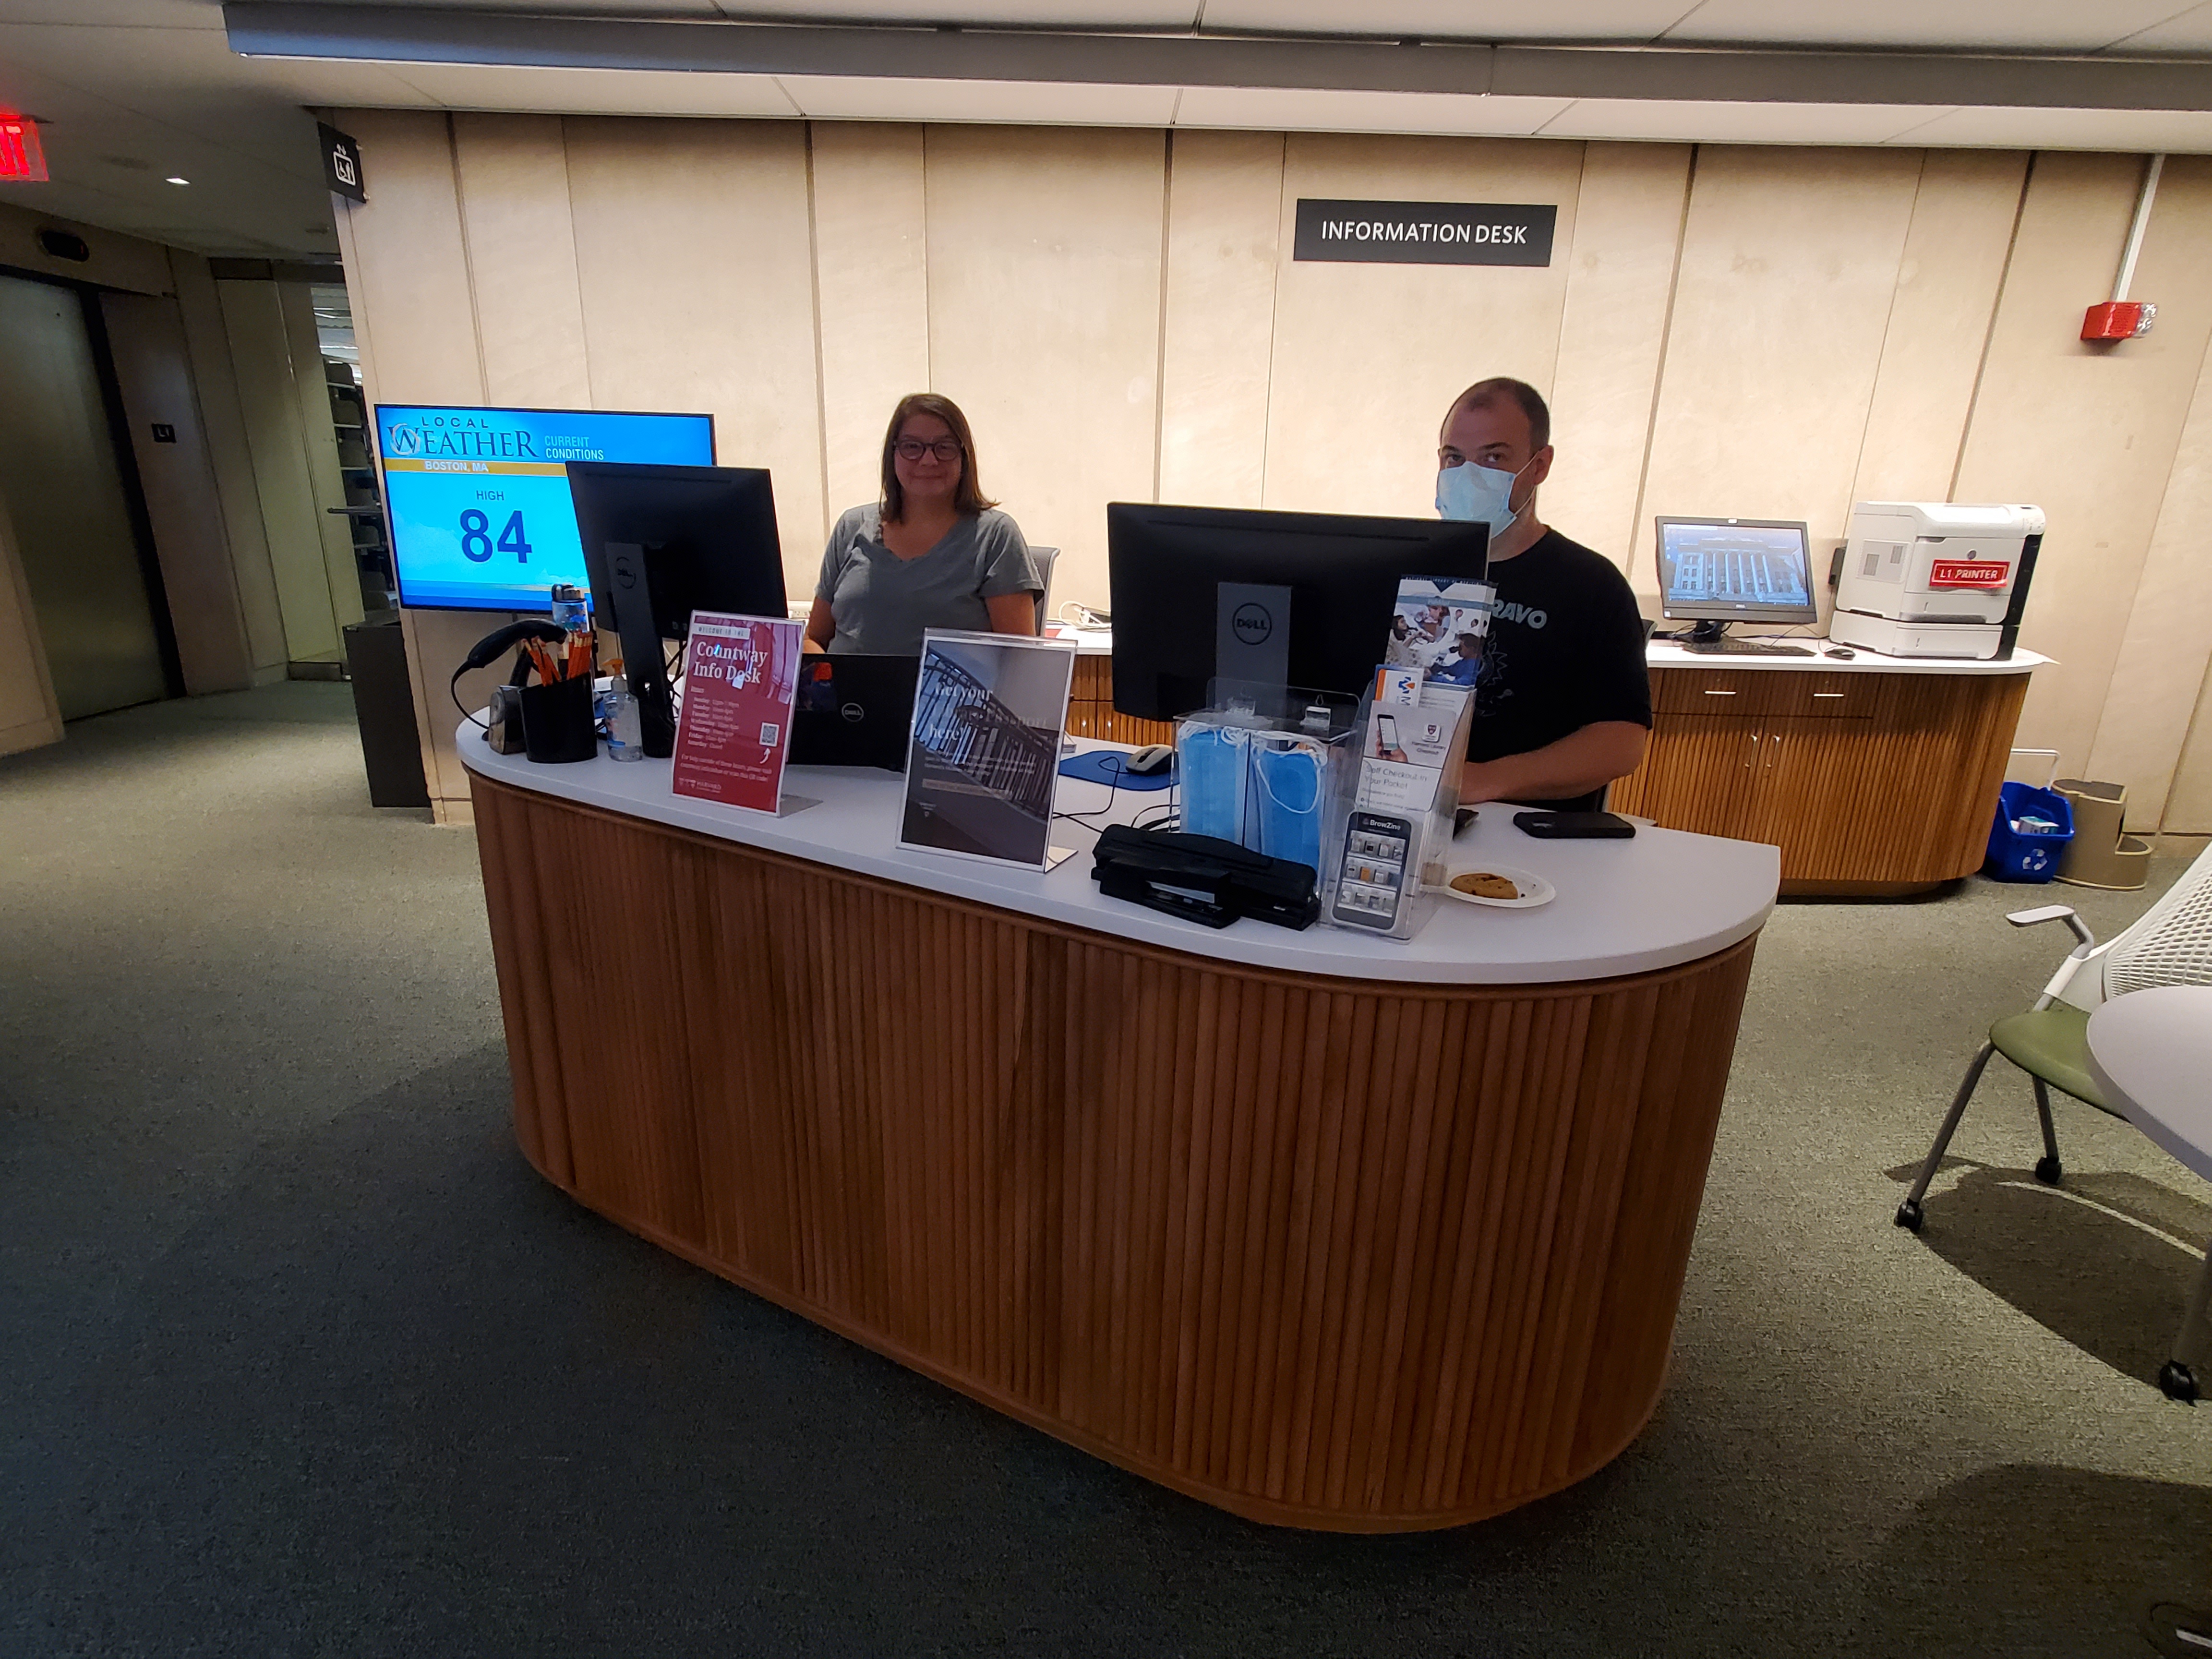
column 1451, row 20
column 1635, row 120
column 1271, row 110
column 1039, row 103
column 600, row 91
column 1952, row 25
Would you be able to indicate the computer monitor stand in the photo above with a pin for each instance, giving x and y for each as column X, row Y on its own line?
column 643, row 659
column 1710, row 631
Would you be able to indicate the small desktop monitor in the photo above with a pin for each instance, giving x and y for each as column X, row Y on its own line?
column 1717, row 571
column 1301, row 600
column 662, row 542
column 481, row 516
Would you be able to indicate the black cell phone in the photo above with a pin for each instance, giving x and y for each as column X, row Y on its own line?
column 1574, row 826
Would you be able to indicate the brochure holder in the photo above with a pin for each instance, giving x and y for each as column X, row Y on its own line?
column 1414, row 736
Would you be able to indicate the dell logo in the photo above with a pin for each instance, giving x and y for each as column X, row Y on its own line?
column 1252, row 624
column 851, row 713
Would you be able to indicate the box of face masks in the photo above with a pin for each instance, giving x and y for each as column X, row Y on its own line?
column 1268, row 770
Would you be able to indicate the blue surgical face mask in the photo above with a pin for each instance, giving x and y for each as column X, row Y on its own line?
column 1471, row 492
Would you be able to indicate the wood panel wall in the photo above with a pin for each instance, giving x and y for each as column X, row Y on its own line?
column 1766, row 331
column 1326, row 1252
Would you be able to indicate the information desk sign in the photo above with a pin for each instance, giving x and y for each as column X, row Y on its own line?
column 733, row 730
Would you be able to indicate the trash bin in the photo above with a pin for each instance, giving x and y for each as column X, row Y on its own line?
column 2101, row 854
column 2032, row 829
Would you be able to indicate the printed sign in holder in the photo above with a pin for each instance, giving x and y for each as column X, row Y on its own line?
column 733, row 731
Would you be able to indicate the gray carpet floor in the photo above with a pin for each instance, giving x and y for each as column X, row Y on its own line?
column 297, row 1356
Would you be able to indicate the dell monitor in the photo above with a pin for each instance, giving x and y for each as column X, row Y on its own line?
column 1717, row 571
column 481, row 516
column 662, row 542
column 1299, row 599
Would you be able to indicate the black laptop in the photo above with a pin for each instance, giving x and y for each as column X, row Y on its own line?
column 853, row 711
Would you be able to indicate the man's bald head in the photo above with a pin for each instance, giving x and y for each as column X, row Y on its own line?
column 1502, row 392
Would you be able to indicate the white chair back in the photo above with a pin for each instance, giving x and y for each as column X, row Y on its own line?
column 2172, row 944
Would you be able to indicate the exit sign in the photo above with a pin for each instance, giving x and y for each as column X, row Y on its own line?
column 21, row 156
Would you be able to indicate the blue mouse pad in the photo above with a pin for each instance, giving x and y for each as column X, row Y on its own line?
column 1104, row 766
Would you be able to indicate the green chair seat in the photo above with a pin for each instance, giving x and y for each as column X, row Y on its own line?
column 2051, row 1043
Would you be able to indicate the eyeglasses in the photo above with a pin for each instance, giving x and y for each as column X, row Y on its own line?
column 913, row 449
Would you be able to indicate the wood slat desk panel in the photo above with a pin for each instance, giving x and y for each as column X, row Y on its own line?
column 1341, row 1254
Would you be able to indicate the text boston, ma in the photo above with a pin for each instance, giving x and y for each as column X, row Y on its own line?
column 1426, row 233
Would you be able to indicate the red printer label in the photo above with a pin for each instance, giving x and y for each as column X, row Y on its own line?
column 1969, row 573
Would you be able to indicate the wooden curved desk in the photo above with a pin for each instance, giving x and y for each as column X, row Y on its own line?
column 1393, row 1246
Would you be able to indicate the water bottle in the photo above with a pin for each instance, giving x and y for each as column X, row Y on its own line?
column 625, row 740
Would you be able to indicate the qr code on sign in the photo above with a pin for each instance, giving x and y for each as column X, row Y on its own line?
column 769, row 733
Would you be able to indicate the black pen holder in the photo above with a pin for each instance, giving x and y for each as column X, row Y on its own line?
column 557, row 722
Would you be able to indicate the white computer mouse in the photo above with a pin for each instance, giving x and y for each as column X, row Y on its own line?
column 1152, row 758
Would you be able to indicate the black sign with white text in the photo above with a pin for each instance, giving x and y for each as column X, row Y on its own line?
column 1426, row 233
column 341, row 163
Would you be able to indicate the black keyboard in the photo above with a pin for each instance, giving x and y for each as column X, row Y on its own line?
column 1743, row 648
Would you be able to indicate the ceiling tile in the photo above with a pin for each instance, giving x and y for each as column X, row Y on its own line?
column 2133, row 131
column 1036, row 14
column 1982, row 25
column 1275, row 110
column 597, row 91
column 1041, row 103
column 1735, row 124
column 2191, row 33
column 1453, row 20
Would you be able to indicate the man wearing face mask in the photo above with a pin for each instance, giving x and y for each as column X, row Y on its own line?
column 1563, row 706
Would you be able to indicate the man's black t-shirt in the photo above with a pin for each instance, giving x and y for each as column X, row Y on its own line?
column 1566, row 648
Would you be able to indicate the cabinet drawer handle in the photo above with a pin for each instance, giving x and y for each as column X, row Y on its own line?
column 1711, row 693
column 1818, row 695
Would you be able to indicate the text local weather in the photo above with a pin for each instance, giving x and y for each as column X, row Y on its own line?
column 1420, row 230
column 467, row 440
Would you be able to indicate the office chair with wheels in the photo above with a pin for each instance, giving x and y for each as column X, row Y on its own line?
column 2171, row 944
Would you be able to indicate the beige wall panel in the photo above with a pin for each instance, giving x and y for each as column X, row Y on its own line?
column 2089, row 433
column 2160, row 671
column 223, row 421
column 1620, row 277
column 406, row 266
column 871, row 285
column 514, row 190
column 1790, row 261
column 29, row 716
column 1044, row 320
column 289, row 513
column 1367, row 357
column 1225, row 231
column 2189, row 803
column 1939, row 323
column 693, row 247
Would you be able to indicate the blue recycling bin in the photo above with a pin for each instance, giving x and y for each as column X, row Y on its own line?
column 2030, row 854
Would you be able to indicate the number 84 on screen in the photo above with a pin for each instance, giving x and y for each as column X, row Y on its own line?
column 477, row 544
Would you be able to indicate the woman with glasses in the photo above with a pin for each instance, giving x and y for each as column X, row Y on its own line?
column 932, row 553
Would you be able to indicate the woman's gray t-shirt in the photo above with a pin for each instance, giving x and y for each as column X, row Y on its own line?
column 882, row 602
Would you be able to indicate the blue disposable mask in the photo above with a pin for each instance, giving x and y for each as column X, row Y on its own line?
column 1470, row 493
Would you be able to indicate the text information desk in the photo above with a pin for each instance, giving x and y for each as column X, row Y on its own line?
column 1325, row 1229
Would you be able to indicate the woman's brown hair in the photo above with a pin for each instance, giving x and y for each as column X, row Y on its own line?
column 968, row 498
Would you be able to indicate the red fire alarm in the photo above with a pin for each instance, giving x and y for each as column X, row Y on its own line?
column 21, row 156
column 2118, row 319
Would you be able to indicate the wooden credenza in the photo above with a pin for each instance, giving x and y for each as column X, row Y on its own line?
column 1873, row 783
column 1875, row 779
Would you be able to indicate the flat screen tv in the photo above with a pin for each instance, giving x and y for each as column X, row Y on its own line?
column 478, row 498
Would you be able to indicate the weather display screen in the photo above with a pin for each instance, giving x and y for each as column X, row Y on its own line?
column 1752, row 568
column 481, row 514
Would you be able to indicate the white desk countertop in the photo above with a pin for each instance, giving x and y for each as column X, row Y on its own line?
column 1624, row 906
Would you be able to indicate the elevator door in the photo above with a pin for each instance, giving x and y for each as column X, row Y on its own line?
column 64, row 493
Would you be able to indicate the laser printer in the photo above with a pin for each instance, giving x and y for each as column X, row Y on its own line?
column 1935, row 579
